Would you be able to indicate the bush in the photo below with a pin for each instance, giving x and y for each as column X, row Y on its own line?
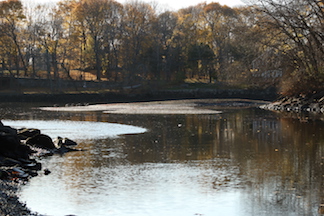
column 294, row 85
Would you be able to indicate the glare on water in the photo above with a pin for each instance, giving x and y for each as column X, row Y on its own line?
column 237, row 162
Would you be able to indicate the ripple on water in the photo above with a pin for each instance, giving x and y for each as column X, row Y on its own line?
column 141, row 189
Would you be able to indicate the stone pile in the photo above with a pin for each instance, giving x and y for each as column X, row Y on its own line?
column 300, row 103
column 18, row 150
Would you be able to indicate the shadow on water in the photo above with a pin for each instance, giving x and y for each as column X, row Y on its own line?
column 255, row 161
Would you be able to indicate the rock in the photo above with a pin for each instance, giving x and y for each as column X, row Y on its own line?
column 26, row 133
column 9, row 162
column 9, row 144
column 59, row 142
column 23, row 151
column 41, row 141
column 68, row 142
column 299, row 103
column 4, row 174
column 32, row 166
column 47, row 172
column 17, row 173
column 9, row 136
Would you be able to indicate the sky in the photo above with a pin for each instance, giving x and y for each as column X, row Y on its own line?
column 167, row 4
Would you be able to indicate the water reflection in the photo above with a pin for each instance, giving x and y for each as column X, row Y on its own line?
column 240, row 162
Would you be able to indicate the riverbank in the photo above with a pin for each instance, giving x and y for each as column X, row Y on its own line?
column 10, row 204
column 135, row 96
column 16, row 167
column 19, row 151
column 313, row 103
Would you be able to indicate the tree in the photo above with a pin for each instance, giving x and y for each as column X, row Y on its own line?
column 95, row 17
column 165, row 26
column 245, row 45
column 112, row 39
column 137, row 39
column 11, row 21
column 49, row 31
column 188, row 33
column 220, row 23
column 295, row 28
column 201, row 57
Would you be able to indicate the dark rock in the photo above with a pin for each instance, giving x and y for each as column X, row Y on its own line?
column 4, row 174
column 32, row 173
column 9, row 162
column 26, row 133
column 41, row 141
column 59, row 142
column 10, row 145
column 32, row 166
column 23, row 151
column 17, row 173
column 8, row 130
column 47, row 172
column 68, row 142
column 8, row 139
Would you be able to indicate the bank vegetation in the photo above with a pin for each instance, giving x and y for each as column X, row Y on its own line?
column 268, row 43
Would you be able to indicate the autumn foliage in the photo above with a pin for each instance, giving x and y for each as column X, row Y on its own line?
column 268, row 43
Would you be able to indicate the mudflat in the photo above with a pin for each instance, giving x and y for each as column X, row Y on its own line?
column 192, row 106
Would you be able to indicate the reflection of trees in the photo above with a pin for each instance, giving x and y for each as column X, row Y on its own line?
column 280, row 158
column 286, row 170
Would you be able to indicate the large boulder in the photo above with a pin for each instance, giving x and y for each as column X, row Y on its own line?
column 9, row 141
column 41, row 141
column 10, row 144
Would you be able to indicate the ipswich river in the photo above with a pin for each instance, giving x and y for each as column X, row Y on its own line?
column 233, row 161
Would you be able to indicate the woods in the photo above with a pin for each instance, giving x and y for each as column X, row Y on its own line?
column 268, row 43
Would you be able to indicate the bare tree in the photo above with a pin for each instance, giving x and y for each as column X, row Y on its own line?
column 295, row 27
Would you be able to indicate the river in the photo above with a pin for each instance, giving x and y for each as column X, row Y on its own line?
column 236, row 162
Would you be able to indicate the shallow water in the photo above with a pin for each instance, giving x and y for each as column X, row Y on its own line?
column 238, row 162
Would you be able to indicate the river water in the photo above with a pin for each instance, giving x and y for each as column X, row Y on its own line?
column 238, row 162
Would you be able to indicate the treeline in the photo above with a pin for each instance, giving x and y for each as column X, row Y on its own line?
column 269, row 42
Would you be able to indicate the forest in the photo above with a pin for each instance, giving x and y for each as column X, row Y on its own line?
column 266, row 43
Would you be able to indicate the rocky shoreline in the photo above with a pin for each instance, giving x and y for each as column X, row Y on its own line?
column 313, row 103
column 19, row 150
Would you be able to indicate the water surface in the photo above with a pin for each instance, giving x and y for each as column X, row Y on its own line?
column 238, row 162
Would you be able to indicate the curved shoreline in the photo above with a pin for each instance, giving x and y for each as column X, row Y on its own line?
column 190, row 106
